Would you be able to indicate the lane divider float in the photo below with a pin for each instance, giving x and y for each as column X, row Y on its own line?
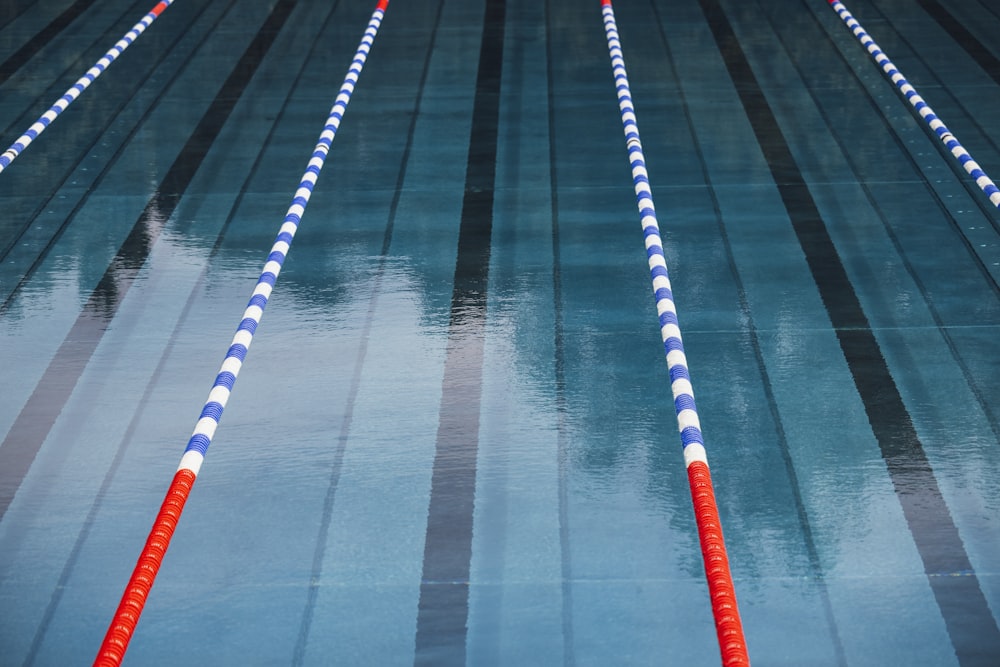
column 729, row 628
column 81, row 85
column 133, row 600
column 919, row 105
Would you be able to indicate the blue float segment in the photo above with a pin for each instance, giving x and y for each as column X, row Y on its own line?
column 225, row 379
column 248, row 324
column 691, row 436
column 258, row 300
column 673, row 344
column 664, row 294
column 212, row 410
column 198, row 443
column 679, row 372
column 684, row 402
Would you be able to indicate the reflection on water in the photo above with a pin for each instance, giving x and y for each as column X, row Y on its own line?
column 314, row 502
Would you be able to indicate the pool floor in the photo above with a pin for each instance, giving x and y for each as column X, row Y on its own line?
column 453, row 440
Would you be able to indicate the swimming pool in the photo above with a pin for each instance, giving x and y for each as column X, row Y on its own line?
column 455, row 442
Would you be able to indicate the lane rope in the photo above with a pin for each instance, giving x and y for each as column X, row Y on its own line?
column 729, row 628
column 133, row 600
column 81, row 85
column 920, row 106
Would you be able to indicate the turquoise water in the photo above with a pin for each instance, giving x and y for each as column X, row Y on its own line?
column 853, row 440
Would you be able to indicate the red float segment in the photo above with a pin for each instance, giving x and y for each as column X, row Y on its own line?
column 729, row 629
column 159, row 8
column 728, row 626
column 112, row 650
column 134, row 599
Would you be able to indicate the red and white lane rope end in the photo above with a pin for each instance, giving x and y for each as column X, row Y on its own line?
column 729, row 628
column 133, row 600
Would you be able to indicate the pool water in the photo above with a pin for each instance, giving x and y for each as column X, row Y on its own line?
column 453, row 440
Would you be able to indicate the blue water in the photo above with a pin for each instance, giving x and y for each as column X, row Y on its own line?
column 860, row 531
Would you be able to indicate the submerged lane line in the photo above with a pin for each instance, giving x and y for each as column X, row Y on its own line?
column 964, row 38
column 137, row 590
column 41, row 39
column 381, row 272
column 98, row 139
column 729, row 628
column 443, row 609
column 559, row 363
column 81, row 85
column 964, row 609
column 919, row 105
column 144, row 402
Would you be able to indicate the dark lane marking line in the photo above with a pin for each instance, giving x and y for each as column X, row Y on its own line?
column 36, row 419
column 98, row 135
column 17, row 60
column 322, row 535
column 71, row 71
column 442, row 615
column 965, row 39
column 559, row 343
column 144, row 402
column 940, row 210
column 970, row 624
column 10, row 12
